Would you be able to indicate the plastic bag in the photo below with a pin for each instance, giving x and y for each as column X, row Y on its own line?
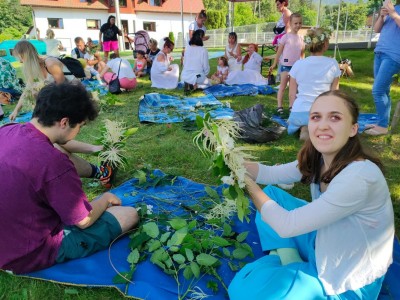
column 114, row 86
column 250, row 120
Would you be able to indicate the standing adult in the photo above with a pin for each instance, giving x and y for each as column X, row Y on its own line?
column 163, row 74
column 53, row 46
column 109, row 31
column 386, row 63
column 283, row 24
column 195, row 65
column 122, row 68
column 340, row 245
column 55, row 222
column 199, row 22
column 309, row 78
column 233, row 53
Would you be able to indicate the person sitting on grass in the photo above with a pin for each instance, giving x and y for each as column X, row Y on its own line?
column 195, row 65
column 163, row 74
column 140, row 67
column 93, row 63
column 122, row 68
column 222, row 71
column 151, row 54
column 339, row 245
column 46, row 217
column 251, row 73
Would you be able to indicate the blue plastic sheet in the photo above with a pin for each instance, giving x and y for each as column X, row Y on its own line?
column 160, row 108
column 222, row 90
column 149, row 281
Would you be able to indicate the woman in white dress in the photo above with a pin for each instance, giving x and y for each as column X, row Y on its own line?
column 195, row 65
column 251, row 73
column 163, row 74
column 233, row 53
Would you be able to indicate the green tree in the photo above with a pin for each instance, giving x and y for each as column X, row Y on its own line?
column 244, row 14
column 220, row 5
column 352, row 16
column 216, row 19
column 13, row 15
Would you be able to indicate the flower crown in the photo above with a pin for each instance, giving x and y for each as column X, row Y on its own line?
column 317, row 35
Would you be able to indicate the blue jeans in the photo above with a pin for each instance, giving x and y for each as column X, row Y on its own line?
column 384, row 69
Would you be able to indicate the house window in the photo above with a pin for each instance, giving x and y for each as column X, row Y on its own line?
column 155, row 2
column 122, row 3
column 92, row 24
column 55, row 23
column 149, row 26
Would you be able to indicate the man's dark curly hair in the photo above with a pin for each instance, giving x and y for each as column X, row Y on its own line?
column 65, row 100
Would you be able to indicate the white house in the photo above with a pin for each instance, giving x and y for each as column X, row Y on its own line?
column 72, row 18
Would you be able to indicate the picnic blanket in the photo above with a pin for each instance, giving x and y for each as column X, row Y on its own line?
column 21, row 118
column 161, row 108
column 149, row 281
column 364, row 119
column 222, row 90
column 94, row 85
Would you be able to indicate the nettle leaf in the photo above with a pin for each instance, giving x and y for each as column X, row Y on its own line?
column 139, row 240
column 189, row 254
column 199, row 122
column 151, row 229
column 123, row 277
column 192, row 224
column 177, row 223
column 226, row 252
column 133, row 257
column 232, row 266
column 227, row 230
column 212, row 193
column 195, row 269
column 164, row 237
column 240, row 253
column 177, row 238
column 141, row 176
column 187, row 273
column 219, row 241
column 241, row 237
column 179, row 258
column 242, row 204
column 205, row 259
column 154, row 245
column 130, row 131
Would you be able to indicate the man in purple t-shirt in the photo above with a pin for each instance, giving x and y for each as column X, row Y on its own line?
column 45, row 217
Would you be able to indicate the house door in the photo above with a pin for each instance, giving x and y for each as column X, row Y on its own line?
column 125, row 30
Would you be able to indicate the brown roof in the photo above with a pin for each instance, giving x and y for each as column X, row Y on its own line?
column 95, row 4
column 189, row 6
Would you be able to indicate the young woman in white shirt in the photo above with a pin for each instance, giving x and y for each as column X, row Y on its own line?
column 339, row 246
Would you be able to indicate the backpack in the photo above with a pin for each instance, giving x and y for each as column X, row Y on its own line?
column 73, row 65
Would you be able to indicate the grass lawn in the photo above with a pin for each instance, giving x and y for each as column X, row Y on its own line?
column 169, row 148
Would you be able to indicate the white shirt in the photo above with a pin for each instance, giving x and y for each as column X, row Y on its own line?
column 125, row 70
column 195, row 63
column 353, row 219
column 193, row 26
column 254, row 62
column 314, row 75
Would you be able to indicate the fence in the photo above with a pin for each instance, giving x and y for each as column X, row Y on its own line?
column 262, row 33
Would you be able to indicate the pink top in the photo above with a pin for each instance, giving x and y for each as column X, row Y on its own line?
column 293, row 46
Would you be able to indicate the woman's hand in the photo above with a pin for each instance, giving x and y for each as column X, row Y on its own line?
column 13, row 115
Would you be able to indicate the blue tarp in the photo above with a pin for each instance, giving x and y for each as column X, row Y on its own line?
column 222, row 90
column 160, row 108
column 21, row 118
column 149, row 281
column 364, row 119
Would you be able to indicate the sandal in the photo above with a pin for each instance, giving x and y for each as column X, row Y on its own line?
column 279, row 110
